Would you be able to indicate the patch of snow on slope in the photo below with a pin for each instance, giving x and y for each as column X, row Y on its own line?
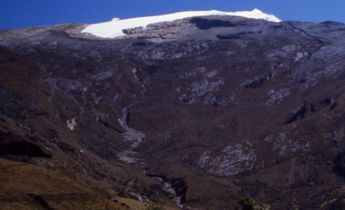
column 115, row 27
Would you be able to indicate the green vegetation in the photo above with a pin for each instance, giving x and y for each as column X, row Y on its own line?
column 251, row 204
column 154, row 206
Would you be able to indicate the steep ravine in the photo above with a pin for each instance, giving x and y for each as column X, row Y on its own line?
column 131, row 136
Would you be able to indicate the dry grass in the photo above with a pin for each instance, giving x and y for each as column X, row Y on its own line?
column 22, row 183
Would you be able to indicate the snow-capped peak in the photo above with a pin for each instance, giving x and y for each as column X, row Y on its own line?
column 115, row 27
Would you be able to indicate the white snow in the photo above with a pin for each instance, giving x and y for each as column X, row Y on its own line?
column 115, row 27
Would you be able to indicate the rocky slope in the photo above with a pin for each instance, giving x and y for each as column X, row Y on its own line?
column 199, row 113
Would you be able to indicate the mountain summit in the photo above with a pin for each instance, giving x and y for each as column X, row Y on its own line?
column 115, row 27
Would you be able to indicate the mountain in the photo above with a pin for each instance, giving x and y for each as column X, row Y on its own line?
column 204, row 112
column 115, row 27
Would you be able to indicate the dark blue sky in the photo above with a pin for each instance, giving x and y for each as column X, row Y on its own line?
column 25, row 13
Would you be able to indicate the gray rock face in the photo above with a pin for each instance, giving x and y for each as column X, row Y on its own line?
column 233, row 160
